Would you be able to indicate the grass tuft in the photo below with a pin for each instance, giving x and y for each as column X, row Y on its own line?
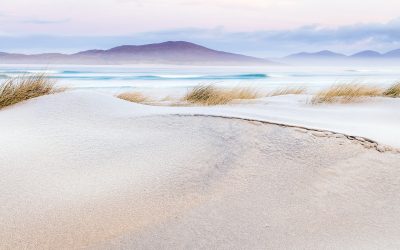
column 393, row 91
column 288, row 91
column 243, row 93
column 211, row 95
column 346, row 93
column 18, row 89
column 136, row 97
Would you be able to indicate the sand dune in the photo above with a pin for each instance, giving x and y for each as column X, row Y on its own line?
column 84, row 170
column 375, row 118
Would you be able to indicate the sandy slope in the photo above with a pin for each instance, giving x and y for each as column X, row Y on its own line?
column 86, row 170
column 376, row 118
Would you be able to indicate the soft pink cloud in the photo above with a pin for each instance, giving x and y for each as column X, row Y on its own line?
column 121, row 17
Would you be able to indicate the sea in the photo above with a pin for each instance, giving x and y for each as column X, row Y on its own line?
column 162, row 80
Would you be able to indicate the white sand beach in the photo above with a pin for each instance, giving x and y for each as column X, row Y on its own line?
column 87, row 170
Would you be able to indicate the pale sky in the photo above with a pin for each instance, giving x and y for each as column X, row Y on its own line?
column 136, row 21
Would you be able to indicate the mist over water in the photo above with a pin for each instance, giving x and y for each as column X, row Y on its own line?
column 162, row 80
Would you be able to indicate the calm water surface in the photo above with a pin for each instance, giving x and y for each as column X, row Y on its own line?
column 161, row 80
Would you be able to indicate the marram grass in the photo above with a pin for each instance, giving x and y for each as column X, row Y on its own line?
column 211, row 95
column 18, row 89
column 346, row 93
column 393, row 91
column 136, row 97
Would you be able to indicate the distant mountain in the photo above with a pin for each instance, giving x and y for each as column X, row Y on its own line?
column 172, row 52
column 367, row 54
column 393, row 53
column 320, row 54
column 327, row 57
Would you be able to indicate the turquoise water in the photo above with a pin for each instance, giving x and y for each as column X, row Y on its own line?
column 175, row 79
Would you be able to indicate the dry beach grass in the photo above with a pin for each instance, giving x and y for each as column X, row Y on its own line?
column 18, row 89
column 346, row 93
column 393, row 91
column 210, row 95
column 136, row 97
column 288, row 91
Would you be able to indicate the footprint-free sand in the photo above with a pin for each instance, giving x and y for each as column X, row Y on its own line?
column 84, row 170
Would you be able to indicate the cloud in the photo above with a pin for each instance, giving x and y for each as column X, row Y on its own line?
column 267, row 43
column 345, row 39
column 44, row 21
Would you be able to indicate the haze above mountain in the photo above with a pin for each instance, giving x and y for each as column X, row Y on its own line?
column 172, row 52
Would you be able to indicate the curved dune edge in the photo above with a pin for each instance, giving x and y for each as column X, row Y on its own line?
column 366, row 142
column 374, row 121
